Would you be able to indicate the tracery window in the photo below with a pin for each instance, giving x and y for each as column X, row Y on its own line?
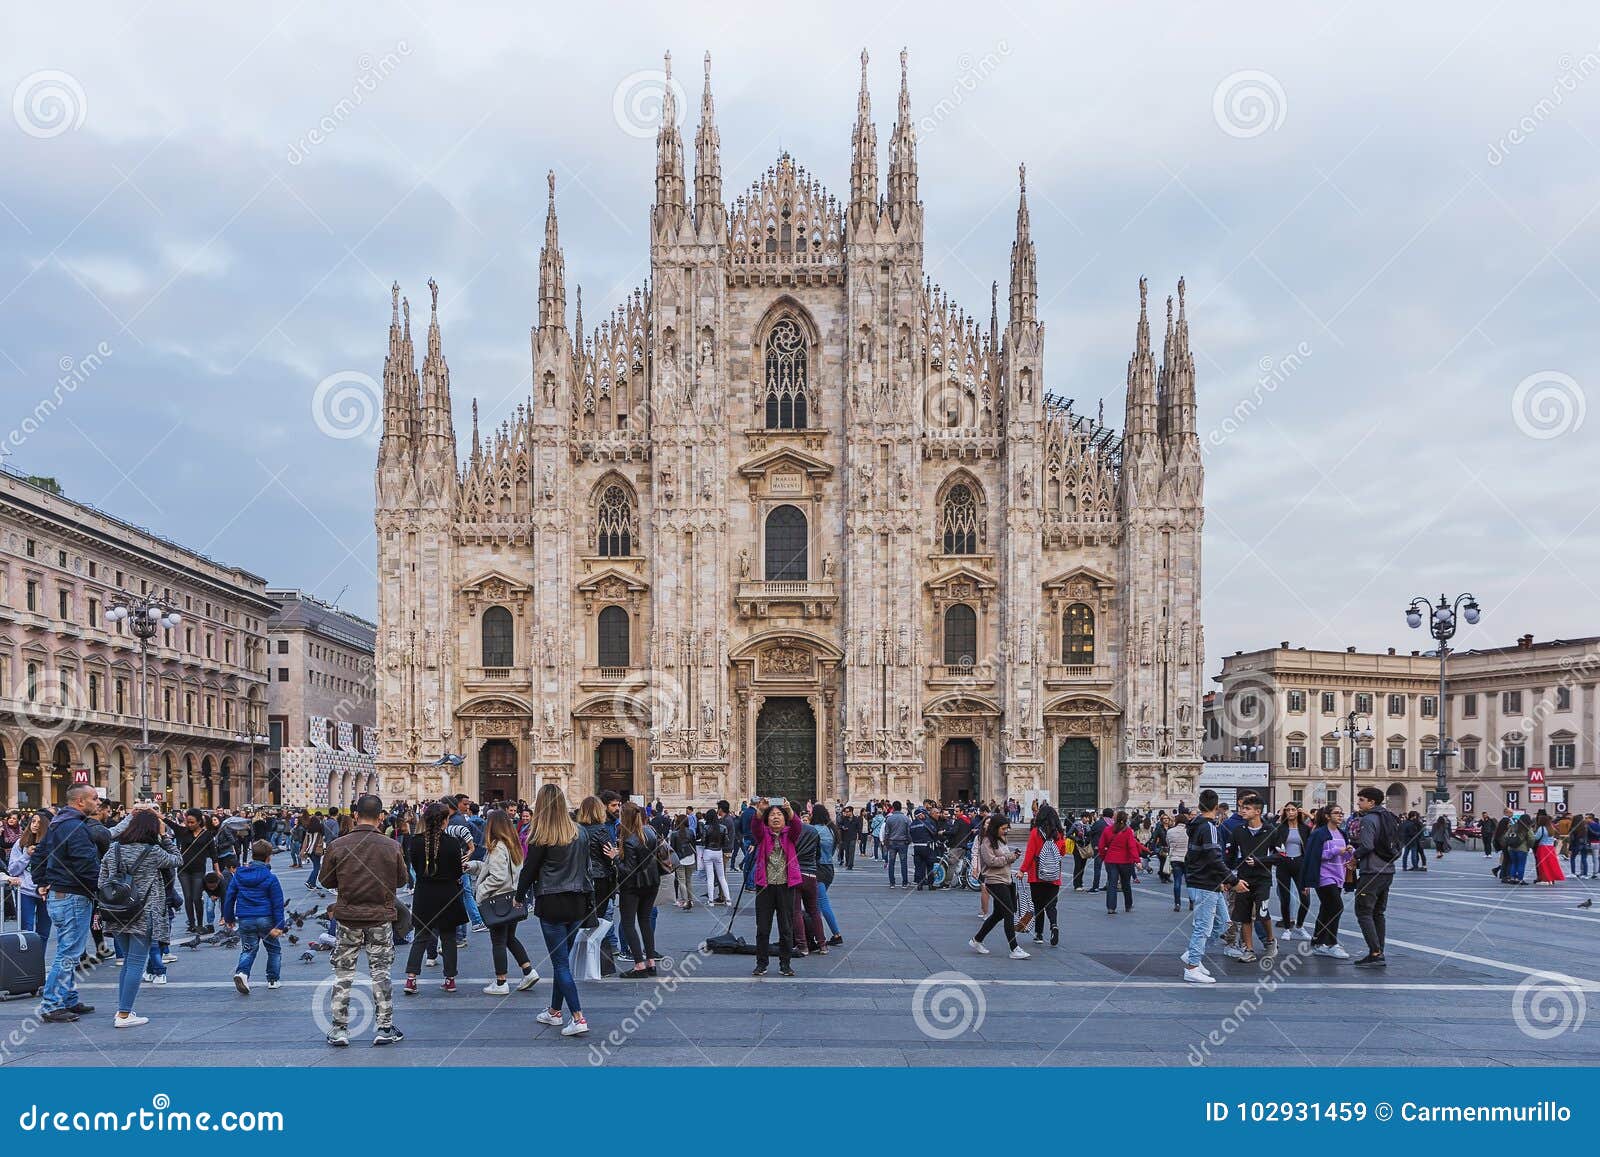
column 614, row 524
column 786, row 392
column 1078, row 639
column 958, row 521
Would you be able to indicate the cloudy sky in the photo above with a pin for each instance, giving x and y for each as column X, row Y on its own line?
column 1387, row 216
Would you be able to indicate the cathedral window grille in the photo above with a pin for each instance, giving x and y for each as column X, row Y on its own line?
column 614, row 524
column 1078, row 639
column 960, row 636
column 497, row 648
column 959, row 521
column 786, row 546
column 613, row 637
column 786, row 392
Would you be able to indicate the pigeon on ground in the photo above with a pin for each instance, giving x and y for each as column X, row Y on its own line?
column 307, row 957
column 1587, row 903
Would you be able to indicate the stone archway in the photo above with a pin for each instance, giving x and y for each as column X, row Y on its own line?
column 1081, row 733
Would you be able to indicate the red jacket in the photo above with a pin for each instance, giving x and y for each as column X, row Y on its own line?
column 1120, row 847
column 1030, row 856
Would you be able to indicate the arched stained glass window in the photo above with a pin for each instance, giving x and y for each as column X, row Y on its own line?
column 786, row 392
column 958, row 519
column 614, row 524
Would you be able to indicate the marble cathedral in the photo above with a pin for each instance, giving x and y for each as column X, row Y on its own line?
column 790, row 521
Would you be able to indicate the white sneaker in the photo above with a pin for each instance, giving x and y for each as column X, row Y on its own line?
column 1233, row 952
column 480, row 928
column 132, row 1020
column 545, row 1018
column 498, row 988
column 169, row 958
column 575, row 1028
column 1183, row 959
column 1017, row 953
column 528, row 981
column 1323, row 950
column 242, row 983
column 149, row 978
column 1338, row 953
column 978, row 948
column 1198, row 976
column 430, row 962
column 158, row 980
column 270, row 983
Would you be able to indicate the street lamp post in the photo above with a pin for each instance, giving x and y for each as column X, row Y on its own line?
column 144, row 614
column 1442, row 619
column 253, row 741
column 1355, row 728
column 1248, row 749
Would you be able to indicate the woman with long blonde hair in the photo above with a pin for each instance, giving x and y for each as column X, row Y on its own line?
column 496, row 876
column 639, row 883
column 556, row 874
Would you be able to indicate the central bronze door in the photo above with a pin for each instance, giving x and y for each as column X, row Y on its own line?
column 613, row 767
column 1077, row 776
column 786, row 750
column 958, row 771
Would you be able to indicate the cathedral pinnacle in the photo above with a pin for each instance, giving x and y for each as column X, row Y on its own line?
column 552, row 269
column 864, row 157
column 903, row 152
column 1024, row 262
column 707, row 157
column 669, row 148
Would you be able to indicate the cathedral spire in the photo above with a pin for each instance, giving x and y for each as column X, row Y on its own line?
column 864, row 156
column 669, row 153
column 994, row 315
column 1024, row 263
column 552, row 269
column 399, row 392
column 436, row 419
column 707, row 157
column 1180, row 385
column 1140, row 424
column 477, row 446
column 903, row 152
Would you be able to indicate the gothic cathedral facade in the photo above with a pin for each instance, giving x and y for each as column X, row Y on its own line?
column 790, row 522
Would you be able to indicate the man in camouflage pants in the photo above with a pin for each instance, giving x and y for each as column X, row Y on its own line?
column 365, row 869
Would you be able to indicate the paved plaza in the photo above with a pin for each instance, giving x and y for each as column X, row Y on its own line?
column 1463, row 987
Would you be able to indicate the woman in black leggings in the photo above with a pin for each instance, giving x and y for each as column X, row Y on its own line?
column 195, row 846
column 994, row 865
column 1287, row 868
column 437, row 909
column 638, row 882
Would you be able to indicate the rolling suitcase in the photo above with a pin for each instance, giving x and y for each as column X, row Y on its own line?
column 21, row 960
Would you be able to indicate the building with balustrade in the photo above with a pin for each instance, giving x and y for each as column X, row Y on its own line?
column 70, row 676
column 791, row 521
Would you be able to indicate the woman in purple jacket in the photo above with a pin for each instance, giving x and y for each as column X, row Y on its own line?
column 777, row 873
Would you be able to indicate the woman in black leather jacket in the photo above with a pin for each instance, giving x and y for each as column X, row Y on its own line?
column 638, row 883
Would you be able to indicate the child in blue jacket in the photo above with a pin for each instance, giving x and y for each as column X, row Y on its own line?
column 254, row 903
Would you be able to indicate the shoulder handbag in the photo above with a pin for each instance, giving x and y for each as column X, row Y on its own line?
column 665, row 856
column 502, row 909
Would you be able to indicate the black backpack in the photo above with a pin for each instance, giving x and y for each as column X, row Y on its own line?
column 1386, row 840
column 116, row 898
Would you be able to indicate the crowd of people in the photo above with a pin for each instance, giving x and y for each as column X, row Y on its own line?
column 427, row 875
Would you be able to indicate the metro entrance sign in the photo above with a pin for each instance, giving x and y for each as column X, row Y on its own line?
column 80, row 776
column 1536, row 788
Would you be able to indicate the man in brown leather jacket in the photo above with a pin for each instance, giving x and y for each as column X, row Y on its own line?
column 366, row 869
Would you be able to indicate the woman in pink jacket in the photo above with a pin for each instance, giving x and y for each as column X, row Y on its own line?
column 777, row 874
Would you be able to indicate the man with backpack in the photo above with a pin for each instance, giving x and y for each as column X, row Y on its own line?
column 1096, row 830
column 1377, row 844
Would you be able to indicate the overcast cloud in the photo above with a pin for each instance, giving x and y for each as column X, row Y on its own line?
column 1387, row 216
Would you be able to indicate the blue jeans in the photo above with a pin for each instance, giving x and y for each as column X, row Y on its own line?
column 1519, row 866
column 1581, row 860
column 252, row 933
column 35, row 916
column 135, row 952
column 826, row 908
column 1179, row 885
column 156, row 966
column 558, row 940
column 316, row 866
column 898, row 852
column 1209, row 908
column 69, row 914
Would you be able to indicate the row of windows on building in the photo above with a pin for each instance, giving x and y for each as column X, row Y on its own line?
column 786, row 538
column 1512, row 757
column 194, row 643
column 198, row 708
column 960, row 637
column 1397, row 705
